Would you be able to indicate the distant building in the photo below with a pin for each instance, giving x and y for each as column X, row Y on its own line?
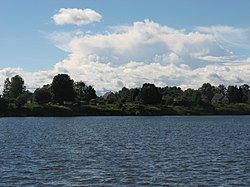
column 220, row 98
column 109, row 96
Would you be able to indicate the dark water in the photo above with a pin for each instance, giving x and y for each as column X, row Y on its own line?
column 125, row 151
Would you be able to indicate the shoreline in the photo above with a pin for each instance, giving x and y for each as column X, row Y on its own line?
column 126, row 110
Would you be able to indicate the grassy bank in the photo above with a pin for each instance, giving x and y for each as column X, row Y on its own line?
column 126, row 109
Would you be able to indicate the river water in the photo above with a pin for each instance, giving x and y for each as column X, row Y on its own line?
column 125, row 151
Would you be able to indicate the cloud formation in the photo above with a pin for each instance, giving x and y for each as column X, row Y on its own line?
column 76, row 16
column 228, row 36
column 147, row 41
column 144, row 52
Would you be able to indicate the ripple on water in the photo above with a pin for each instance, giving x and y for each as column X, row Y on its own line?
column 125, row 151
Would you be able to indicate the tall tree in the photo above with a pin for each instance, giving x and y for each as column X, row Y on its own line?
column 245, row 92
column 6, row 89
column 80, row 89
column 233, row 94
column 134, row 94
column 149, row 94
column 207, row 92
column 90, row 93
column 14, row 87
column 221, row 89
column 189, row 97
column 123, row 95
column 170, row 94
column 62, row 88
column 84, row 92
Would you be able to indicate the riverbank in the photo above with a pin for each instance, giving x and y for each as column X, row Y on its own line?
column 126, row 110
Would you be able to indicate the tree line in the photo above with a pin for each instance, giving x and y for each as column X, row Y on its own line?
column 150, row 94
column 63, row 90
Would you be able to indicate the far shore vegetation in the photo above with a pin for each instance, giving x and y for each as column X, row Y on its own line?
column 66, row 97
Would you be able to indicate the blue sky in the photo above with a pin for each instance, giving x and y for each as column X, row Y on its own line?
column 32, row 41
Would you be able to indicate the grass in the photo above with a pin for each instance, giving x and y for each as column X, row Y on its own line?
column 231, row 109
column 127, row 109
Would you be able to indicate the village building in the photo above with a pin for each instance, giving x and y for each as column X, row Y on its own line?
column 109, row 96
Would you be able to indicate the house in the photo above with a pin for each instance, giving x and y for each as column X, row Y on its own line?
column 109, row 96
column 220, row 98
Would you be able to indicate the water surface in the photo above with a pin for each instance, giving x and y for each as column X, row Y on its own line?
column 125, row 151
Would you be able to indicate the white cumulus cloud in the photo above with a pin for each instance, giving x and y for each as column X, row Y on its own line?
column 145, row 41
column 76, row 16
column 143, row 52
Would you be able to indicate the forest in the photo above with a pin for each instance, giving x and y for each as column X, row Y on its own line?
column 66, row 97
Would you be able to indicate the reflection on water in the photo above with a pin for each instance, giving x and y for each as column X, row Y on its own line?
column 125, row 151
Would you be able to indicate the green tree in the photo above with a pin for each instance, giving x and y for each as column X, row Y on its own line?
column 221, row 89
column 62, row 88
column 233, row 94
column 84, row 92
column 6, row 88
column 123, row 95
column 22, row 99
column 207, row 92
column 245, row 93
column 17, row 86
column 126, row 95
column 190, row 97
column 42, row 95
column 194, row 96
column 170, row 94
column 134, row 94
column 149, row 94
column 14, row 87
column 90, row 93
column 80, row 89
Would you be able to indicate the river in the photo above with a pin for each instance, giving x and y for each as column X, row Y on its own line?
column 125, row 151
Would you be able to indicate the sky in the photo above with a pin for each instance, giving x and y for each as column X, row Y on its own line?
column 113, row 43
